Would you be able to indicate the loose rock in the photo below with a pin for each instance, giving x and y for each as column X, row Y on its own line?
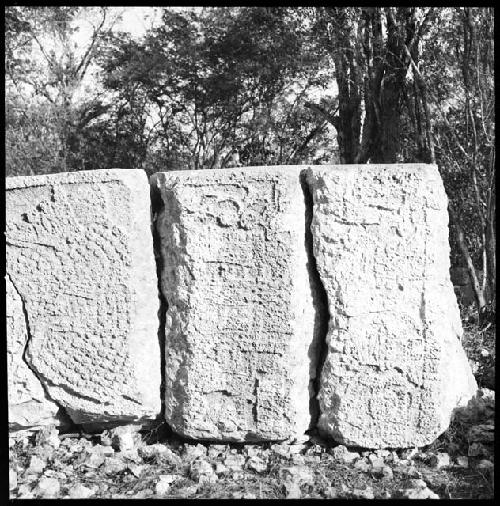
column 367, row 493
column 113, row 465
column 36, row 466
column 12, row 479
column 343, row 454
column 202, row 472
column 439, row 460
column 234, row 462
column 125, row 438
column 80, row 491
column 292, row 490
column 256, row 464
column 485, row 464
column 47, row 488
column 462, row 461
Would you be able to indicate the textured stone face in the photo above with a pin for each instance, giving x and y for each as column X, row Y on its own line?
column 240, row 323
column 80, row 258
column 28, row 404
column 395, row 369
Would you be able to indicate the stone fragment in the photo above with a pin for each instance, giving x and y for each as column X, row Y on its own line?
column 341, row 453
column 292, row 490
column 220, row 468
column 36, row 466
column 248, row 495
column 94, row 460
column 80, row 491
column 159, row 451
column 241, row 326
column 99, row 449
column 234, row 462
column 367, row 493
column 377, row 464
column 485, row 464
column 12, row 479
column 113, row 465
column 47, row 488
column 387, row 473
column 362, row 465
column 439, row 460
column 48, row 435
column 395, row 369
column 125, row 437
column 299, row 474
column 256, row 464
column 163, row 484
column 418, row 493
column 462, row 461
column 192, row 452
column 214, row 451
column 202, row 472
column 82, row 297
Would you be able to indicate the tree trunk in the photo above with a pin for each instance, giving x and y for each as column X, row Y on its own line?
column 476, row 286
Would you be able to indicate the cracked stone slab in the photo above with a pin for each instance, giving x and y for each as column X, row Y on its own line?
column 29, row 406
column 395, row 369
column 240, row 325
column 80, row 258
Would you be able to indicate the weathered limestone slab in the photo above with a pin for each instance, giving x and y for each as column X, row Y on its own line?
column 28, row 404
column 395, row 368
column 81, row 266
column 240, row 323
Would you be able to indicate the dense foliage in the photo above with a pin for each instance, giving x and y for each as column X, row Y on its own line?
column 225, row 86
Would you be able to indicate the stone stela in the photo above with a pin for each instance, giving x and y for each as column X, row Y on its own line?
column 292, row 297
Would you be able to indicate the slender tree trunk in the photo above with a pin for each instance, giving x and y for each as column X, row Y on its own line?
column 476, row 286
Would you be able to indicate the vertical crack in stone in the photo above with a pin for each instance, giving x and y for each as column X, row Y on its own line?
column 156, row 208
column 318, row 349
column 62, row 414
column 255, row 413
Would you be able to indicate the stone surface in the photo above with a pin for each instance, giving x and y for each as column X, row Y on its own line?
column 395, row 369
column 80, row 491
column 240, row 326
column 440, row 460
column 48, row 488
column 29, row 405
column 82, row 297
